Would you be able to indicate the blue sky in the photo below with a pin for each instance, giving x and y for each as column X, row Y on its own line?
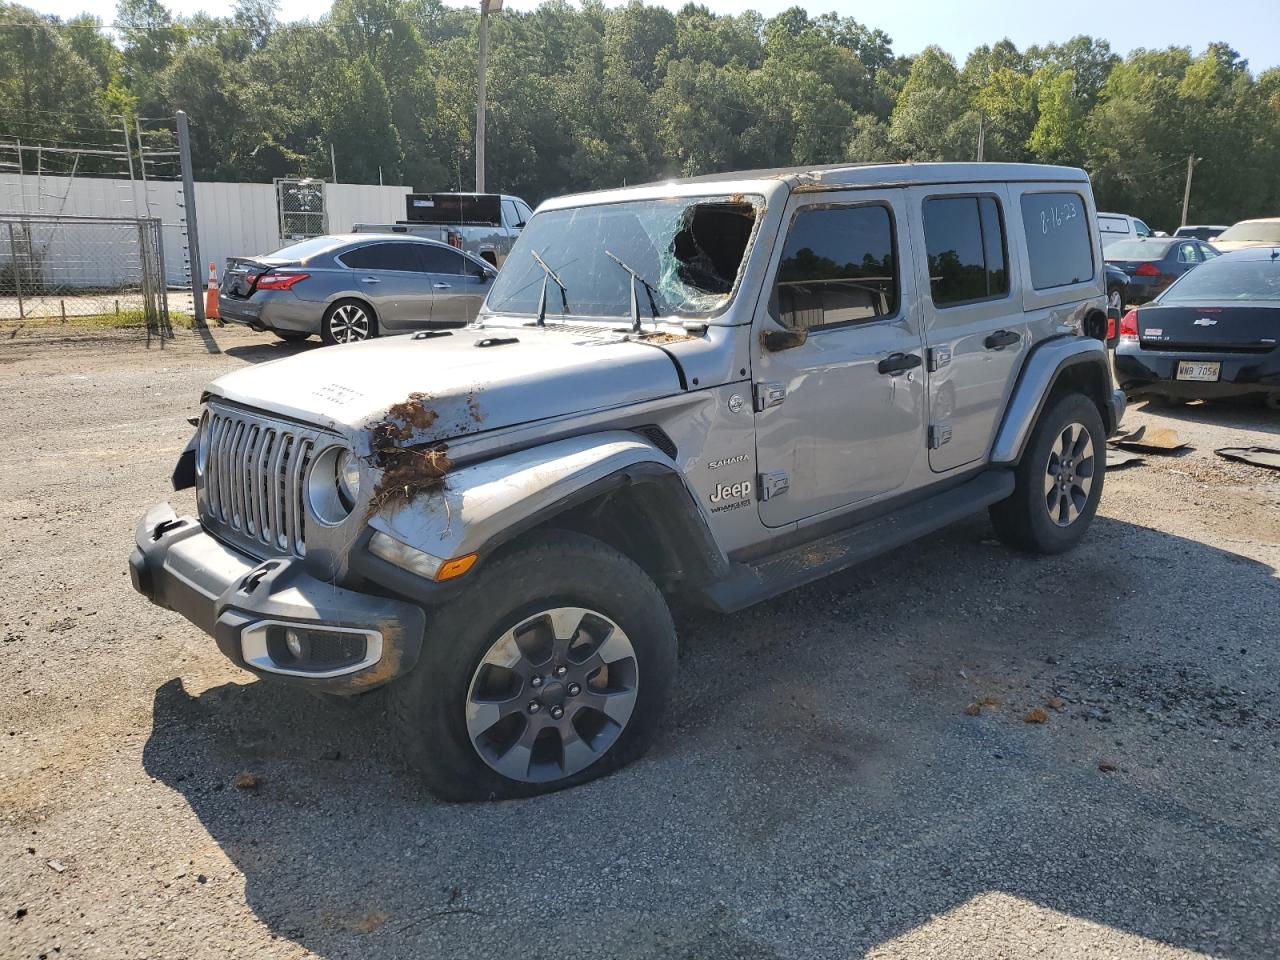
column 1250, row 26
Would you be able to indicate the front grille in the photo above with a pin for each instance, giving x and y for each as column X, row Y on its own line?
column 254, row 480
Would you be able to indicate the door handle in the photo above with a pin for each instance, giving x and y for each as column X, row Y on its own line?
column 440, row 286
column 1001, row 339
column 370, row 280
column 896, row 363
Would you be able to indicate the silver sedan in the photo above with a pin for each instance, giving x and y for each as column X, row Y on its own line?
column 354, row 286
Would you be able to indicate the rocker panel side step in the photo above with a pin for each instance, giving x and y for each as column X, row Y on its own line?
column 749, row 583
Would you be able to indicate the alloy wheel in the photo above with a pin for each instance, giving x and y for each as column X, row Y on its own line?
column 1115, row 300
column 349, row 323
column 1069, row 474
column 552, row 695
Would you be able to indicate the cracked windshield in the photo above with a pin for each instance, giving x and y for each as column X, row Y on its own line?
column 685, row 255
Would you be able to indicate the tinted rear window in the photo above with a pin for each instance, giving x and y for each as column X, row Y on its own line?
column 1058, row 241
column 1137, row 250
column 305, row 249
column 383, row 256
column 1226, row 280
column 965, row 241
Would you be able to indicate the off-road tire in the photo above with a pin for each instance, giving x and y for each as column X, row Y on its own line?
column 544, row 570
column 1023, row 519
column 326, row 326
column 291, row 336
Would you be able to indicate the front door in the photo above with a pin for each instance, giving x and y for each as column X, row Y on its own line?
column 976, row 333
column 838, row 367
column 456, row 287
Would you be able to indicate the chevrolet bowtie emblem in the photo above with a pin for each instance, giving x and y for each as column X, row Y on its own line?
column 1205, row 322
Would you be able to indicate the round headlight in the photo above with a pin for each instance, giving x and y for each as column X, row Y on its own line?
column 332, row 484
column 349, row 478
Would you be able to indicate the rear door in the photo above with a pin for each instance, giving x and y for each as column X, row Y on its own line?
column 390, row 276
column 840, row 401
column 456, row 287
column 974, row 328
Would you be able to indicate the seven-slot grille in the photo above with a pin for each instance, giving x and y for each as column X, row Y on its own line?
column 254, row 478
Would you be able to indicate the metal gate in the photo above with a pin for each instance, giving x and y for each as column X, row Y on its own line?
column 84, row 269
column 301, row 208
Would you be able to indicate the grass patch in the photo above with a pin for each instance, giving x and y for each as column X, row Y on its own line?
column 124, row 320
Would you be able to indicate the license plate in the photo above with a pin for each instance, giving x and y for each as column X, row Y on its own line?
column 1199, row 370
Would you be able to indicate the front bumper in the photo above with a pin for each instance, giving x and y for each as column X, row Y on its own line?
column 1140, row 371
column 239, row 600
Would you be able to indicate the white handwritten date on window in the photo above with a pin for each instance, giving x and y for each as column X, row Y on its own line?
column 1058, row 214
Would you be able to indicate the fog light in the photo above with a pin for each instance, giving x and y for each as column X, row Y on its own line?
column 294, row 642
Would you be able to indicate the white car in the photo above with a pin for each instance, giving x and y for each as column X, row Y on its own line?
column 1264, row 232
column 1120, row 226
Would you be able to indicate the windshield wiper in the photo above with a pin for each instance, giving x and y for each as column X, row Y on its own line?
column 542, row 299
column 635, row 300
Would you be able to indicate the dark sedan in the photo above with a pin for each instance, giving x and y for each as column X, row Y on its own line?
column 1153, row 263
column 1214, row 333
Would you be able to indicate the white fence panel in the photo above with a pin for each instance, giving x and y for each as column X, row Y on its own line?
column 236, row 219
column 351, row 203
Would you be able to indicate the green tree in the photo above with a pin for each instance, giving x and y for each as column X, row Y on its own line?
column 357, row 116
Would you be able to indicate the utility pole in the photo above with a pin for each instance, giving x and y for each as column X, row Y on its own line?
column 1192, row 160
column 982, row 136
column 486, row 7
column 142, row 165
column 128, row 152
column 333, row 163
column 193, row 233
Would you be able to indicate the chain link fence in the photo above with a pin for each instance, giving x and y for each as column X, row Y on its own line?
column 301, row 209
column 83, row 269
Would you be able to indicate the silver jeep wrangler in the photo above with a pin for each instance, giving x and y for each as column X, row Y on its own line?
column 714, row 389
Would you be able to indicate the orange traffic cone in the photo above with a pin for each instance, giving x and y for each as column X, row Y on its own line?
column 211, row 295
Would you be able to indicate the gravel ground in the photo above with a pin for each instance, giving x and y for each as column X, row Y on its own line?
column 822, row 788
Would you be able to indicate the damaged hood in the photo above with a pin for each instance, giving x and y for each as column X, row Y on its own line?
column 470, row 381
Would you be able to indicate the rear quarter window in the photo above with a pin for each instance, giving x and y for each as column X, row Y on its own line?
column 1059, row 248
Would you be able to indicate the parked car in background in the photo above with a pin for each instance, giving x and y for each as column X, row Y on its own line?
column 1207, row 233
column 1115, row 227
column 483, row 224
column 1117, row 287
column 1264, row 232
column 354, row 286
column 1214, row 333
column 1152, row 264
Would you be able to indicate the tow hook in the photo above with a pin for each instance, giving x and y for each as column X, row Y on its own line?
column 165, row 526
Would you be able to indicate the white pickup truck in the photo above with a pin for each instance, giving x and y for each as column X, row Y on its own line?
column 483, row 224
